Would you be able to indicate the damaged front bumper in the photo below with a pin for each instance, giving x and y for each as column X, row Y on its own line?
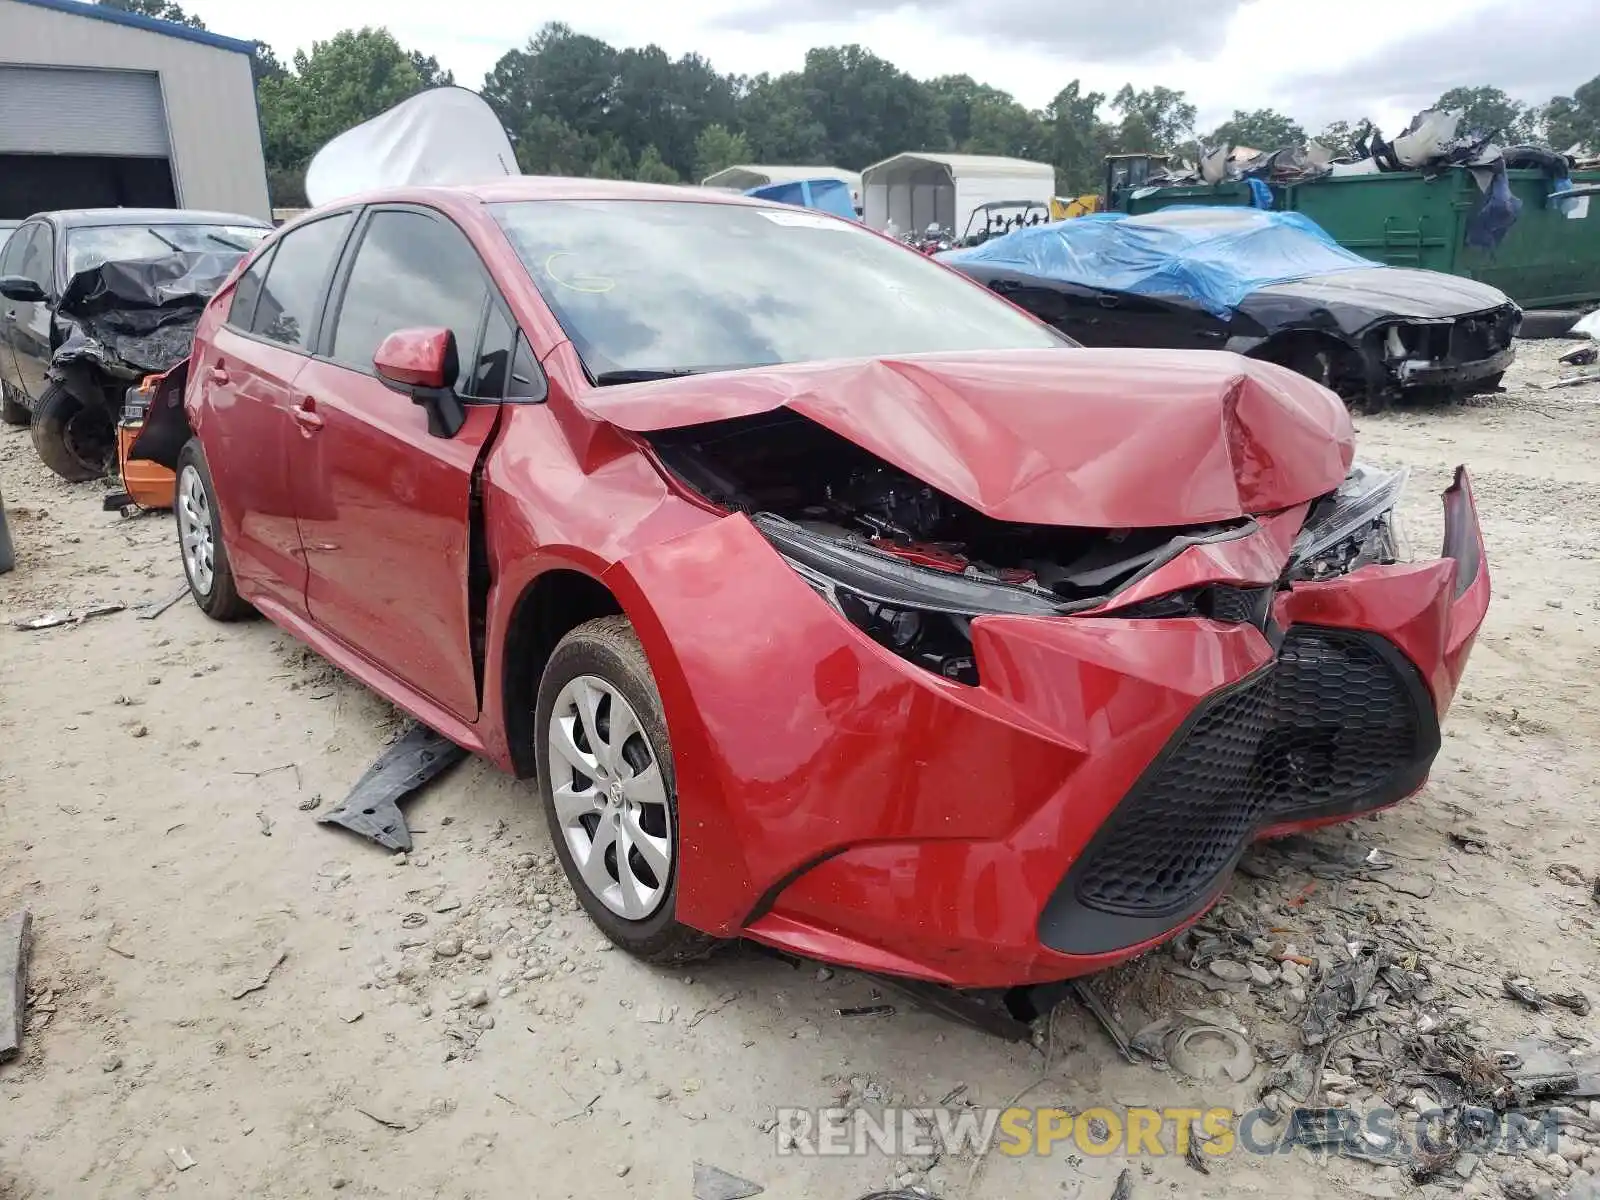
column 1452, row 354
column 1084, row 801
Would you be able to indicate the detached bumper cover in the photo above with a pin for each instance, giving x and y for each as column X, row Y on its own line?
column 1086, row 801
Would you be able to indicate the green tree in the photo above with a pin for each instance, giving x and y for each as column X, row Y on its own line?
column 1158, row 120
column 980, row 119
column 1575, row 120
column 1263, row 129
column 868, row 107
column 165, row 10
column 651, row 168
column 1077, row 139
column 1488, row 110
column 716, row 148
column 337, row 84
column 1340, row 137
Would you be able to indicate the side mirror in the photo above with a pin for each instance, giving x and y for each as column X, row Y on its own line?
column 21, row 288
column 422, row 364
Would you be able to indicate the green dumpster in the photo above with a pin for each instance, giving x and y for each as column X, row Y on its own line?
column 1549, row 259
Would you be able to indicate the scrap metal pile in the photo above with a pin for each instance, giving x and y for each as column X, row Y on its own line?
column 1434, row 142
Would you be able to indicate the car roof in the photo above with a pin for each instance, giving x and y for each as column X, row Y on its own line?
column 78, row 218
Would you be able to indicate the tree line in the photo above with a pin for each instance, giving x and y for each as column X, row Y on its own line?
column 575, row 105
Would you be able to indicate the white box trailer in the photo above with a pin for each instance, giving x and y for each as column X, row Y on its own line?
column 914, row 190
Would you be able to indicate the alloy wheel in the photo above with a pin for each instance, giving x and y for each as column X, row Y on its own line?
column 610, row 797
column 194, row 529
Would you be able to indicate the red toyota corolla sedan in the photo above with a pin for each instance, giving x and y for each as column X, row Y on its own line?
column 833, row 601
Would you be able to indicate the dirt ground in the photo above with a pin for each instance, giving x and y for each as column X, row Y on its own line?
column 157, row 784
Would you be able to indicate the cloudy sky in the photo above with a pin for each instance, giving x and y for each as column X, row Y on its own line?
column 1318, row 60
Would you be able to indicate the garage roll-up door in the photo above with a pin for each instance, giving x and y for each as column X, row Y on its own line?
column 50, row 110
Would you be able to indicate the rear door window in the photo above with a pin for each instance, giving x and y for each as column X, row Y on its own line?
column 291, row 295
column 412, row 271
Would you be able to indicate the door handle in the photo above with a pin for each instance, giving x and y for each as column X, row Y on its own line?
column 306, row 417
column 219, row 375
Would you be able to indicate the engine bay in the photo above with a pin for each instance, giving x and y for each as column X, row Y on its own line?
column 783, row 464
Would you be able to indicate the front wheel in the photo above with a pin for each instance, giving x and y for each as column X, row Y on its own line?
column 75, row 441
column 607, row 784
column 205, row 558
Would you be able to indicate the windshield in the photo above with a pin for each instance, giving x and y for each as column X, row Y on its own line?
column 92, row 245
column 662, row 287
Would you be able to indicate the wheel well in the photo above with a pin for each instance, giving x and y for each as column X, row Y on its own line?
column 553, row 605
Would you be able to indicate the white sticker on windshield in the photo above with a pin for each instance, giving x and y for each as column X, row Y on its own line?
column 800, row 219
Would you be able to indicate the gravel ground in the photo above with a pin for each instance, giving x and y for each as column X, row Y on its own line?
column 449, row 1025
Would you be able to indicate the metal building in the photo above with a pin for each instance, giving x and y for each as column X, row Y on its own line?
column 104, row 108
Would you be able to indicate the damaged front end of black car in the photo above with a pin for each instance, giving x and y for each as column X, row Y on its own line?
column 119, row 323
column 1386, row 335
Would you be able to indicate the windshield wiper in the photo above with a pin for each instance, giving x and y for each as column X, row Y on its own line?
column 228, row 242
column 642, row 375
column 176, row 249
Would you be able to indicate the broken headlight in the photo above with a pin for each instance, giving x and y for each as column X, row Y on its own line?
column 922, row 614
column 1354, row 527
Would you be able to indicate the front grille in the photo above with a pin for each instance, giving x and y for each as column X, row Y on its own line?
column 1339, row 722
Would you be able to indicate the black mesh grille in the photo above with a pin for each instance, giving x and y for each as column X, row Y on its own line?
column 1329, row 727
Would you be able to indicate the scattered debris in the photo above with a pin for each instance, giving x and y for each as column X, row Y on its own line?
column 75, row 616
column 276, row 962
column 657, row 1014
column 1583, row 356
column 1192, row 1155
column 1124, row 1188
column 372, row 807
column 1523, row 991
column 149, row 612
column 386, row 1122
column 713, row 1183
column 1090, row 999
column 867, row 1010
column 16, row 942
column 1343, row 994
column 1573, row 380
column 710, row 1010
column 310, row 803
column 266, row 823
column 180, row 1157
column 1568, row 874
column 1471, row 839
column 1193, row 1050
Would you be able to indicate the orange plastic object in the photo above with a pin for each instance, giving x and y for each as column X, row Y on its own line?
column 149, row 484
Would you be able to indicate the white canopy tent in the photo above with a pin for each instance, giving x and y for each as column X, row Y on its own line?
column 915, row 190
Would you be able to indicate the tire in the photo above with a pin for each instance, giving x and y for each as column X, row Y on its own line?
column 205, row 558
column 602, row 659
column 1539, row 324
column 75, row 443
column 12, row 411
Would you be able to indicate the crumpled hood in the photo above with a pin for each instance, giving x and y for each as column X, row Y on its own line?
column 1397, row 290
column 1089, row 438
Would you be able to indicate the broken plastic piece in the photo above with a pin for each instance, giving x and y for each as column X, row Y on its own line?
column 713, row 1183
column 372, row 807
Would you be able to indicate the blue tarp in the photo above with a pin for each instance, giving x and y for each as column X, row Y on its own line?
column 829, row 195
column 1214, row 257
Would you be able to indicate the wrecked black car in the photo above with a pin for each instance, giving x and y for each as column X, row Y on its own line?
column 92, row 301
column 1269, row 285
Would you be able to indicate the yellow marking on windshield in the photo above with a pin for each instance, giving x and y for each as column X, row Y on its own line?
column 593, row 284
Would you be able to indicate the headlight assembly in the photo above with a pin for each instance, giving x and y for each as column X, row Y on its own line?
column 922, row 614
column 1355, row 527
